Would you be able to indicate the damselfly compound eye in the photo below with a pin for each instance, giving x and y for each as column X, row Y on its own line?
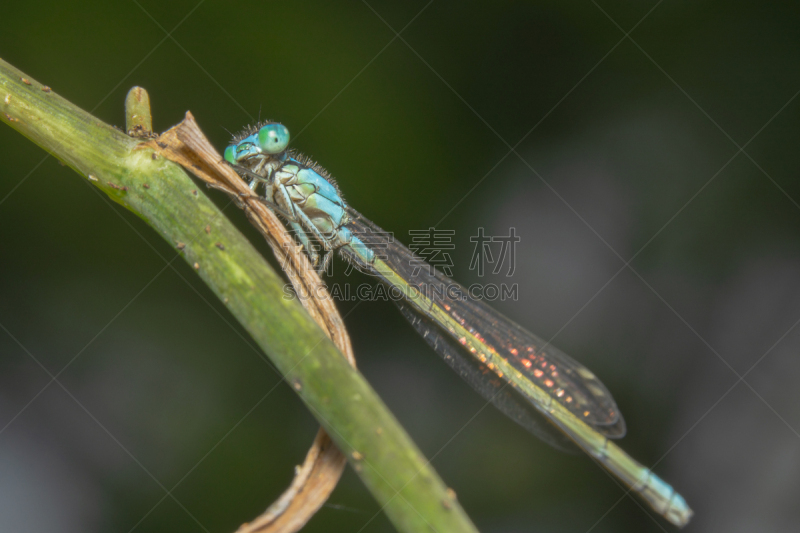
column 230, row 154
column 273, row 138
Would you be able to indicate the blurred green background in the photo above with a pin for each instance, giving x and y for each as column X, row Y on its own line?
column 633, row 153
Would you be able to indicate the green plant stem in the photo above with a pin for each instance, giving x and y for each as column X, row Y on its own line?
column 138, row 121
column 162, row 194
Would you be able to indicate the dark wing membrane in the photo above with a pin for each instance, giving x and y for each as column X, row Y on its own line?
column 487, row 383
column 568, row 382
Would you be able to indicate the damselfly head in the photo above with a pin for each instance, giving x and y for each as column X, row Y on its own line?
column 269, row 139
